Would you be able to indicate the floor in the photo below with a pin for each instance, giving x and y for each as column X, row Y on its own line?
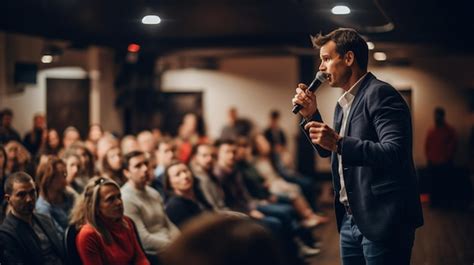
column 447, row 238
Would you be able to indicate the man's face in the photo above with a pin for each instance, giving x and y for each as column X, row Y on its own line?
column 23, row 198
column 165, row 154
column 204, row 157
column 226, row 155
column 335, row 65
column 137, row 171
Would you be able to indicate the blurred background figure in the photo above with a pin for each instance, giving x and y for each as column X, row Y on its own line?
column 18, row 158
column 35, row 138
column 52, row 144
column 70, row 136
column 190, row 132
column 440, row 146
column 7, row 132
column 112, row 166
column 275, row 134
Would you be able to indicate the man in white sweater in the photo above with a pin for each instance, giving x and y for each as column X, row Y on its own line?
column 144, row 206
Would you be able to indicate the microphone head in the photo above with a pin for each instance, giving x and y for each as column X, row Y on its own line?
column 321, row 76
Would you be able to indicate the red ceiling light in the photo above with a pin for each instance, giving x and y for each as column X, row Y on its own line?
column 133, row 47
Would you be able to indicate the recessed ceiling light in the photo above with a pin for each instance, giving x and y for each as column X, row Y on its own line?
column 380, row 56
column 47, row 59
column 371, row 45
column 151, row 20
column 341, row 10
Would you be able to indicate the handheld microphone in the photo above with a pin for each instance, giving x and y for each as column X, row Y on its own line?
column 318, row 80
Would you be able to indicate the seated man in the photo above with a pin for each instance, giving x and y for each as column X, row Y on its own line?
column 27, row 237
column 145, row 207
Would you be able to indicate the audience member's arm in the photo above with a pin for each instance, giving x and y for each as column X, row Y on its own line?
column 11, row 253
column 157, row 240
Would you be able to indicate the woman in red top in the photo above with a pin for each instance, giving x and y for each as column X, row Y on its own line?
column 106, row 236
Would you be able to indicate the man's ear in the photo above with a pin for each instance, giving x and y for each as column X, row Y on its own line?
column 126, row 173
column 7, row 197
column 349, row 58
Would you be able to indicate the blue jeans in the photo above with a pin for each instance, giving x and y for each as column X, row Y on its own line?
column 356, row 249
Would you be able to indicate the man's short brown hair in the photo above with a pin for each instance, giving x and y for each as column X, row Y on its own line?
column 346, row 39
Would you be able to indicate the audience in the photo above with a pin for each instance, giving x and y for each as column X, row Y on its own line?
column 202, row 164
column 208, row 184
column 164, row 154
column 70, row 136
column 105, row 235
column 52, row 144
column 35, row 138
column 73, row 171
column 7, row 132
column 112, row 166
column 54, row 201
column 27, row 237
column 145, row 207
column 3, row 177
column 18, row 158
column 184, row 198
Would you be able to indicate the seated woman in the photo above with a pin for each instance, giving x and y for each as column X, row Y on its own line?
column 54, row 199
column 112, row 166
column 106, row 236
column 184, row 198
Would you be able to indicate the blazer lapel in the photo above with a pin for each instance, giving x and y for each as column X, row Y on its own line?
column 357, row 100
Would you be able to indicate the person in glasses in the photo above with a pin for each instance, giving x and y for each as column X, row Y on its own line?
column 105, row 235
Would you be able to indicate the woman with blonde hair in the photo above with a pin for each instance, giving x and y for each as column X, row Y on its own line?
column 105, row 235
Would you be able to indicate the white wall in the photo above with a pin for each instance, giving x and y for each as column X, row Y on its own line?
column 95, row 63
column 440, row 81
column 253, row 85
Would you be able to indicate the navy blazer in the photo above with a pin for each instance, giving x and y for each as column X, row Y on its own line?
column 378, row 167
column 19, row 242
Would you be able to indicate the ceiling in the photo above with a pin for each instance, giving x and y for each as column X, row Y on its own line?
column 238, row 23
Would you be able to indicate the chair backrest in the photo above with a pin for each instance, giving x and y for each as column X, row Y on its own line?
column 70, row 245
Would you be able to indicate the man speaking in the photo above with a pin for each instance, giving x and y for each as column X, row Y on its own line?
column 376, row 196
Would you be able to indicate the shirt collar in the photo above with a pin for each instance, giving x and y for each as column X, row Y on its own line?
column 350, row 94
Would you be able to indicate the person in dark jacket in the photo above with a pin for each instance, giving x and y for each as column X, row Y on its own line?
column 377, row 201
column 26, row 237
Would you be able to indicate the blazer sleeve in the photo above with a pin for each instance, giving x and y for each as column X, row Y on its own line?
column 390, row 117
column 316, row 117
